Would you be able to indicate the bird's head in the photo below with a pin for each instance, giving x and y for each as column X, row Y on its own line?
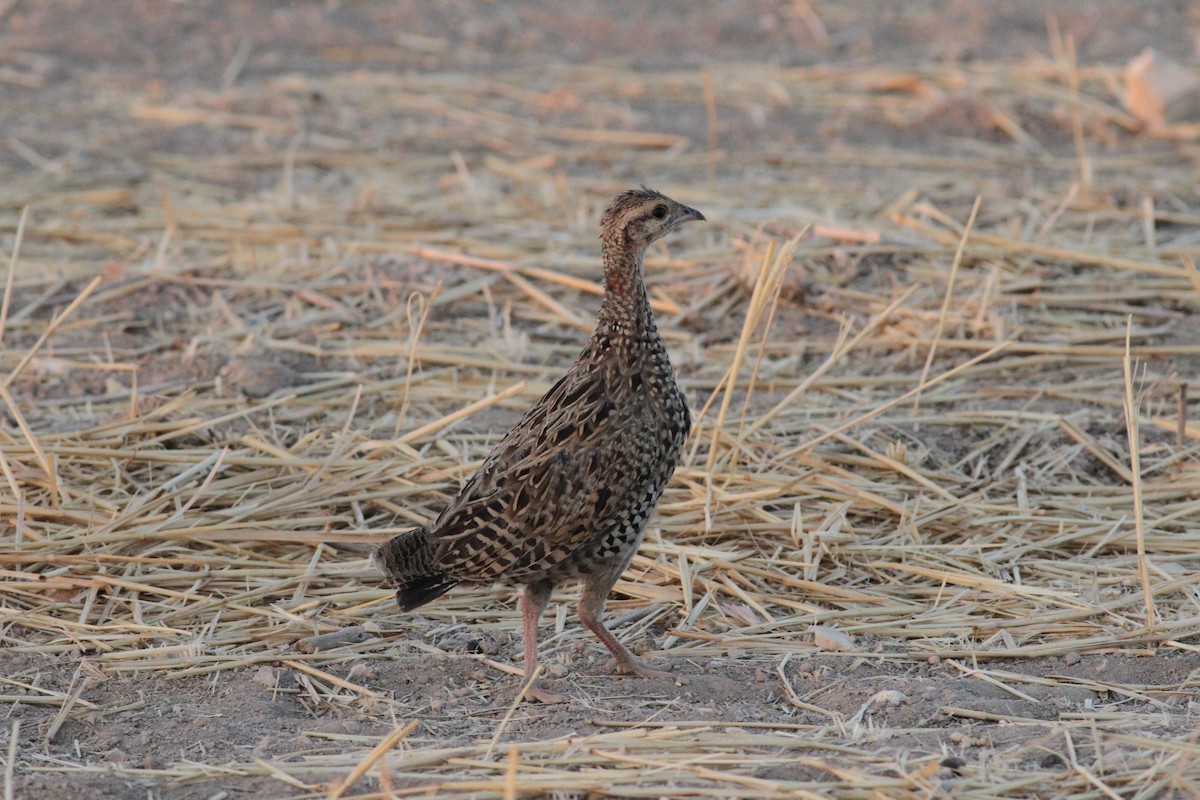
column 639, row 217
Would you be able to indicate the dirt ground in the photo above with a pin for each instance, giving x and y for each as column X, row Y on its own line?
column 125, row 119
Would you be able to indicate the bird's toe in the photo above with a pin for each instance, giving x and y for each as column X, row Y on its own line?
column 536, row 693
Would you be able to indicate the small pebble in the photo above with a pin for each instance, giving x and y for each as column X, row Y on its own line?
column 266, row 676
column 259, row 376
column 890, row 698
column 953, row 762
column 1072, row 658
column 362, row 671
column 827, row 638
column 354, row 634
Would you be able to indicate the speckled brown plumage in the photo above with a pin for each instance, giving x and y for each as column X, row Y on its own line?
column 568, row 492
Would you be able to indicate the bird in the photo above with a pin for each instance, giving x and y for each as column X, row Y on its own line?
column 567, row 494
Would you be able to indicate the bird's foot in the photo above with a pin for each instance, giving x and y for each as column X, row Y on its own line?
column 639, row 668
column 534, row 692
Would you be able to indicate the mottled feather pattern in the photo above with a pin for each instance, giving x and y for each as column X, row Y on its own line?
column 536, row 499
column 569, row 491
column 408, row 563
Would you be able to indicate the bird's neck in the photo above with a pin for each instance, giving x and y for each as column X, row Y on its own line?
column 625, row 300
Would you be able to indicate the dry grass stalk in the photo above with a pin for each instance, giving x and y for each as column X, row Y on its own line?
column 172, row 526
column 377, row 754
column 941, row 324
column 1135, row 476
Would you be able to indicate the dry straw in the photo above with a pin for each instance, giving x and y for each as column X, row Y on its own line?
column 179, row 526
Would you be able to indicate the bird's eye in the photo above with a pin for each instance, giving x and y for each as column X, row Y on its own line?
column 659, row 212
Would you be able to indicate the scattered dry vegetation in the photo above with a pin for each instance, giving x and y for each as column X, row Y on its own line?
column 936, row 531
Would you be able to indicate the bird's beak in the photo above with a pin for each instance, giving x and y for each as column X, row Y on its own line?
column 693, row 214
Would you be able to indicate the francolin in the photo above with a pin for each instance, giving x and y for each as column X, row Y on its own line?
column 568, row 492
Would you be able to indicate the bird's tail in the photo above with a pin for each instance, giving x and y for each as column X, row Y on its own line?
column 407, row 561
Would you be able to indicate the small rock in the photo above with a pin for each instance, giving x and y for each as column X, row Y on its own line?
column 555, row 671
column 1159, row 91
column 351, row 726
column 953, row 763
column 259, row 376
column 362, row 671
column 891, row 698
column 354, row 634
column 266, row 676
column 827, row 638
column 115, row 756
column 1072, row 658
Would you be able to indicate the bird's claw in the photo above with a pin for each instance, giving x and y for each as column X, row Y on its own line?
column 535, row 693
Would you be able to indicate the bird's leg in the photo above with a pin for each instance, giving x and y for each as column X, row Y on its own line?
column 591, row 609
column 532, row 603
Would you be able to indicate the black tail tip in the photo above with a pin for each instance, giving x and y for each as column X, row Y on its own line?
column 420, row 591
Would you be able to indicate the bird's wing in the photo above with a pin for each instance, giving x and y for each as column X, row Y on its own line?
column 549, row 485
